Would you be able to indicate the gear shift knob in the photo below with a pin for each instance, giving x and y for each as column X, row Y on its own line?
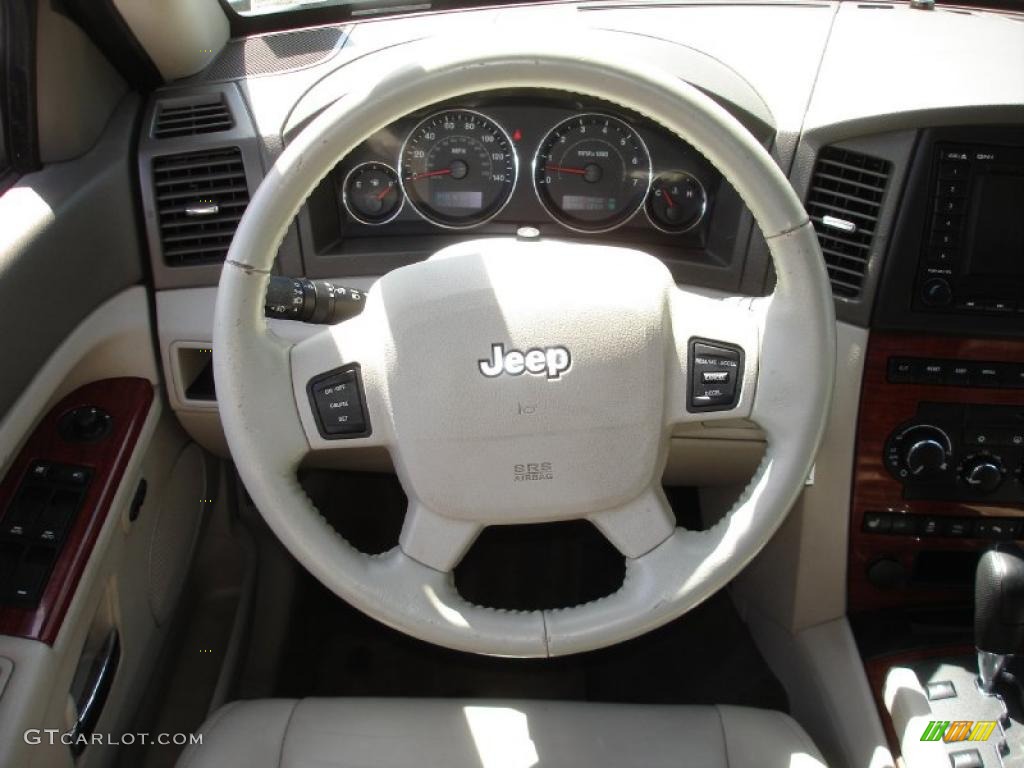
column 998, row 609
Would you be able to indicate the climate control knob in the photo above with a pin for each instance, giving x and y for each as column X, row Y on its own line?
column 983, row 473
column 926, row 457
column 918, row 453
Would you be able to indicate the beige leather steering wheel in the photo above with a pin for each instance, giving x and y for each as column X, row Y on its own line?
column 599, row 416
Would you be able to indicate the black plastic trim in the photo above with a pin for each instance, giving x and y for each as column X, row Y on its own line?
column 18, row 85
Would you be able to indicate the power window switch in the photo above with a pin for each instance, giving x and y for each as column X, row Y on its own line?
column 27, row 580
column 27, row 505
column 41, row 470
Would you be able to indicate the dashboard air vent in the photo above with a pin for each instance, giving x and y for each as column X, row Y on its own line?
column 200, row 197
column 844, row 204
column 176, row 119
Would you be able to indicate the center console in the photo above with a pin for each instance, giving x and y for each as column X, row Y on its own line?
column 939, row 473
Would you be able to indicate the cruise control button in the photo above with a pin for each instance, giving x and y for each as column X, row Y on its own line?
column 338, row 403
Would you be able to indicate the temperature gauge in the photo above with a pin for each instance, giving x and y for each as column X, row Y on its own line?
column 676, row 202
column 371, row 193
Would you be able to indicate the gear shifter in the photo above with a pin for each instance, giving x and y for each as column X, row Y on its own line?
column 998, row 610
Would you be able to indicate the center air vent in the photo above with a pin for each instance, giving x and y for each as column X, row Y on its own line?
column 189, row 119
column 200, row 197
column 844, row 204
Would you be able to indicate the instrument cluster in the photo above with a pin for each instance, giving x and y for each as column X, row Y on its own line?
column 582, row 167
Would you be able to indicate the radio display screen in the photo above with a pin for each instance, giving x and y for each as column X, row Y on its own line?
column 995, row 230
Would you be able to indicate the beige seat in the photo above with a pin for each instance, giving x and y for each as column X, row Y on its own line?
column 445, row 733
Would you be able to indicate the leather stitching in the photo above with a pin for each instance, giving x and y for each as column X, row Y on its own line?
column 284, row 735
column 725, row 740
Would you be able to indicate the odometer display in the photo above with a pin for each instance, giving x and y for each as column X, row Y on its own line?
column 592, row 172
column 458, row 168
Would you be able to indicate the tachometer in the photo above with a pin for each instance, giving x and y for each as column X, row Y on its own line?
column 458, row 168
column 592, row 172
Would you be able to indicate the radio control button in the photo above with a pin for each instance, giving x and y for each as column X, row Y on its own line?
column 947, row 205
column 951, row 186
column 959, row 375
column 904, row 370
column 934, row 372
column 953, row 170
column 945, row 223
column 986, row 374
column 944, row 239
column 1001, row 306
column 942, row 256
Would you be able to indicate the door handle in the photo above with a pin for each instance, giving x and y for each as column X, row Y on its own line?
column 94, row 695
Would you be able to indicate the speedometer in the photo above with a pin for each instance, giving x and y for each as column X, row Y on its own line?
column 592, row 172
column 458, row 168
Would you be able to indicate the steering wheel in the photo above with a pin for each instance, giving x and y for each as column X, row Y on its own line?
column 520, row 382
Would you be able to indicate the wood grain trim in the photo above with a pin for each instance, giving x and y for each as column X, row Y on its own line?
column 128, row 401
column 883, row 407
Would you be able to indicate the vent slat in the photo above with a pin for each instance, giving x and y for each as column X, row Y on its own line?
column 178, row 167
column 850, row 186
column 840, row 179
column 187, row 178
column 192, row 119
column 216, row 176
column 195, row 191
column 844, row 210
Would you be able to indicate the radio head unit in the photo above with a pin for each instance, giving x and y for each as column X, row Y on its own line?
column 972, row 256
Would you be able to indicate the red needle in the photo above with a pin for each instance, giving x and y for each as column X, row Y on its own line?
column 668, row 198
column 563, row 169
column 426, row 174
column 383, row 193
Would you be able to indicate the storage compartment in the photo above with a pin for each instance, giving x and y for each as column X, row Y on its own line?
column 193, row 363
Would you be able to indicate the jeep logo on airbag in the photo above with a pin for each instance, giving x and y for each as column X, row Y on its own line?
column 551, row 362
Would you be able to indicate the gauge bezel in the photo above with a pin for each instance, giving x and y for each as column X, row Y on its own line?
column 553, row 214
column 703, row 207
column 515, row 169
column 348, row 207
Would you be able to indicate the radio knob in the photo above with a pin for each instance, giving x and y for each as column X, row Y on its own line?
column 983, row 473
column 927, row 454
column 936, row 292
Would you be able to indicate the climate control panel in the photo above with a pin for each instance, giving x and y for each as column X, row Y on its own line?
column 960, row 452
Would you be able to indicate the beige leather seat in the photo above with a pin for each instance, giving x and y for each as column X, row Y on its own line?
column 444, row 733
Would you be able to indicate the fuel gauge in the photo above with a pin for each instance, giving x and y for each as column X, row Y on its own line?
column 371, row 193
column 676, row 202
